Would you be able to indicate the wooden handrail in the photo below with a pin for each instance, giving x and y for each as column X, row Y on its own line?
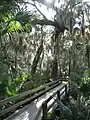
column 54, row 94
column 44, row 116
column 30, row 99
column 45, row 110
column 38, row 113
column 29, row 96
column 48, row 107
column 52, row 104
column 24, row 94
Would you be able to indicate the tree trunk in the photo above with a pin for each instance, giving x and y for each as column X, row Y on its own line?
column 54, row 73
column 36, row 59
column 88, row 57
column 54, row 69
column 74, row 55
column 69, row 71
column 71, row 17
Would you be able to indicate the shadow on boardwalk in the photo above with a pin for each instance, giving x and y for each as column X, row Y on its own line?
column 29, row 111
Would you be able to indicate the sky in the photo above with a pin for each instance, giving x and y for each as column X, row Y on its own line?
column 48, row 12
column 86, row 0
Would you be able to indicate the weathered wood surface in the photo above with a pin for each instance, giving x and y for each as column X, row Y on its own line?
column 30, row 99
column 29, row 92
column 33, row 110
column 25, row 98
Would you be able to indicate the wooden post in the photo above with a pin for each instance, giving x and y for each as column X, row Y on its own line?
column 58, row 94
column 44, row 107
column 65, row 89
column 69, row 86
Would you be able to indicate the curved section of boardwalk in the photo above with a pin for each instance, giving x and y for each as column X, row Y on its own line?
column 29, row 111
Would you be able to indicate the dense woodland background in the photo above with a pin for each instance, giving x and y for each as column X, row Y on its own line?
column 35, row 50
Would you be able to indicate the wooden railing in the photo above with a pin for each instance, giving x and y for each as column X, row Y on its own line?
column 12, row 103
column 45, row 108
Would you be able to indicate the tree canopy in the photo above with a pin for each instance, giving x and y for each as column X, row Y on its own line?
column 41, row 41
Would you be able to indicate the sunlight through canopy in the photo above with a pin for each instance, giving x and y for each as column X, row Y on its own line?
column 49, row 1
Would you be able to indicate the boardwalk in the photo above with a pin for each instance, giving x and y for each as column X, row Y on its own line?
column 29, row 111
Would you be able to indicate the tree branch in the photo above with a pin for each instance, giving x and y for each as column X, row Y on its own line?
column 36, row 8
column 45, row 22
column 39, row 11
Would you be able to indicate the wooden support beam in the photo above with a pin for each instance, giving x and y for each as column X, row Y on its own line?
column 44, row 107
column 58, row 94
column 66, row 90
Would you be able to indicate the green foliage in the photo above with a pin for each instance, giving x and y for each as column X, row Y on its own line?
column 11, row 87
column 5, row 80
column 21, row 78
column 9, row 24
column 14, row 26
column 9, row 5
column 27, row 27
column 36, row 80
column 22, row 17
column 75, row 77
column 11, row 90
column 12, row 22
column 6, row 16
column 51, row 115
column 16, row 85
column 85, row 84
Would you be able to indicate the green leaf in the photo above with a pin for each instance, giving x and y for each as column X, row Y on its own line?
column 22, row 76
column 14, row 26
column 6, row 16
column 11, row 90
column 8, row 91
column 28, row 27
column 17, row 80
